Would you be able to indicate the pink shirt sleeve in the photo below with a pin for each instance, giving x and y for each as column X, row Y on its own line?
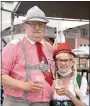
column 8, row 58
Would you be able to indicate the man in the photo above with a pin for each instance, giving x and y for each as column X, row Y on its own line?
column 26, row 77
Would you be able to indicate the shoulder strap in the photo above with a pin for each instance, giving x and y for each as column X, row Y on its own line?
column 79, row 79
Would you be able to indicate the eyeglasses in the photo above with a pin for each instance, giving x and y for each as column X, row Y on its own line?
column 65, row 60
column 34, row 24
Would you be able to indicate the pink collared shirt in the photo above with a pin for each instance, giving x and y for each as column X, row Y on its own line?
column 13, row 64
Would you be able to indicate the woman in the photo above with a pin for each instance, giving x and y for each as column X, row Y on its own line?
column 67, row 91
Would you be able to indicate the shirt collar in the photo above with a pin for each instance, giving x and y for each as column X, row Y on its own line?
column 32, row 42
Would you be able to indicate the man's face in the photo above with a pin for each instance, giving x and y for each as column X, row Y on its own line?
column 64, row 61
column 35, row 30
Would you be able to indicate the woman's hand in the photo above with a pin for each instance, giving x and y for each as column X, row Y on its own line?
column 65, row 91
column 62, row 91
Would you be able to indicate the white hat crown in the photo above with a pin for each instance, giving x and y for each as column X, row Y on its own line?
column 37, row 14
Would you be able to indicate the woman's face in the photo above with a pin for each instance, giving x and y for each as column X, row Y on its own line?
column 64, row 61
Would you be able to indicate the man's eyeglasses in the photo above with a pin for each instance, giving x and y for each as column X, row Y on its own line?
column 34, row 24
column 65, row 60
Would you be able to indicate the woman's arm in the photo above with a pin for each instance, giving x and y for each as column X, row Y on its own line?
column 73, row 98
column 83, row 88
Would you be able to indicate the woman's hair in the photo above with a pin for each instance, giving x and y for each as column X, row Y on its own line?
column 74, row 69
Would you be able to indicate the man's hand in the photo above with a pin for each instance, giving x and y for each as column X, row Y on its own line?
column 21, row 85
column 32, row 86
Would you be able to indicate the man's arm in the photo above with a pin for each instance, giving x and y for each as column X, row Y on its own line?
column 12, row 83
column 20, row 85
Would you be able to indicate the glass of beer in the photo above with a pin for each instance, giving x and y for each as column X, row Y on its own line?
column 39, row 79
column 58, row 84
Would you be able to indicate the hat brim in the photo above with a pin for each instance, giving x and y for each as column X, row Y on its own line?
column 64, row 51
column 36, row 19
